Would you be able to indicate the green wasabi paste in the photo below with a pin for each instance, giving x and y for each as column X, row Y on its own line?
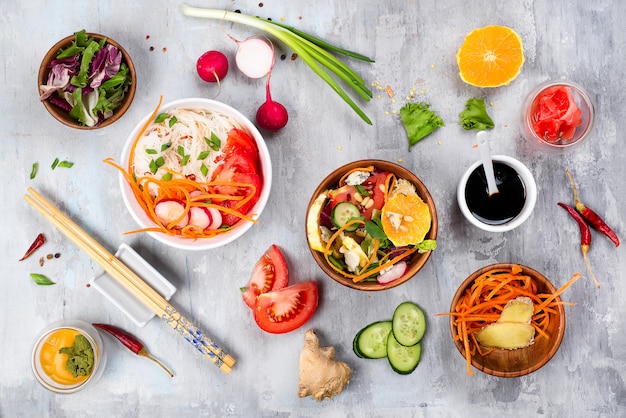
column 80, row 361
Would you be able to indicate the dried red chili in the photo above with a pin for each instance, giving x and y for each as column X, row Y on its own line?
column 585, row 236
column 592, row 218
column 39, row 241
column 130, row 342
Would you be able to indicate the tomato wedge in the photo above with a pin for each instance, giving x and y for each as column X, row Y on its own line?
column 270, row 273
column 286, row 309
column 239, row 142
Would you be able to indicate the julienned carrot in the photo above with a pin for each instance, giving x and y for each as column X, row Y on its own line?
column 484, row 301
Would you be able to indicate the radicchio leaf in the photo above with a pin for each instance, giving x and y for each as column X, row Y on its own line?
column 61, row 71
column 105, row 64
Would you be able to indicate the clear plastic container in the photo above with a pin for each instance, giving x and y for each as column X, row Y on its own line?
column 561, row 145
column 97, row 344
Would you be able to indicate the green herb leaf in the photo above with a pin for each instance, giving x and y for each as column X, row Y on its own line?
column 66, row 164
column 151, row 151
column 214, row 142
column 361, row 190
column 160, row 117
column 203, row 155
column 33, row 171
column 475, row 115
column 166, row 177
column 374, row 230
column 55, row 163
column 166, row 146
column 41, row 280
column 204, row 169
column 419, row 121
column 185, row 160
column 173, row 121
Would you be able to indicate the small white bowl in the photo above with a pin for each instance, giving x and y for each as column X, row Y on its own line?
column 219, row 240
column 530, row 188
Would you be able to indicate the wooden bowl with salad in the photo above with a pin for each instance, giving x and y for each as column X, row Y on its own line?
column 371, row 225
column 509, row 318
column 87, row 81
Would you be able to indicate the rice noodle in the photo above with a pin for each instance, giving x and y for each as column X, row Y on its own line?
column 186, row 135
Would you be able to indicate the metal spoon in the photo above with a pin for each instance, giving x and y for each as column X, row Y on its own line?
column 485, row 155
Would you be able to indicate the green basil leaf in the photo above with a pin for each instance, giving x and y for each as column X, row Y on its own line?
column 41, row 280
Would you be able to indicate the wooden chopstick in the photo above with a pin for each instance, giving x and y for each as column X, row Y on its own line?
column 131, row 282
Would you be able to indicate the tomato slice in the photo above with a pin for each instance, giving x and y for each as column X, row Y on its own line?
column 371, row 186
column 239, row 142
column 270, row 273
column 286, row 309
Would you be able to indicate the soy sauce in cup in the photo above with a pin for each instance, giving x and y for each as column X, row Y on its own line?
column 499, row 208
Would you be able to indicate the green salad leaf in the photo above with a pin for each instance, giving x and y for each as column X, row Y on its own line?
column 475, row 115
column 419, row 121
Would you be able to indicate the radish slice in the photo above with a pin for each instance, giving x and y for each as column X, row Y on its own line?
column 200, row 217
column 216, row 217
column 168, row 210
column 254, row 57
column 394, row 273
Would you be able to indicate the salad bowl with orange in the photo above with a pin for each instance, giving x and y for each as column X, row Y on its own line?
column 371, row 225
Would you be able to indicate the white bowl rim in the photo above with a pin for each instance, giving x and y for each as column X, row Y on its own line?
column 202, row 243
column 529, row 205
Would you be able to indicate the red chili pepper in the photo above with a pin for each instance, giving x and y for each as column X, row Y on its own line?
column 591, row 217
column 132, row 343
column 39, row 241
column 585, row 236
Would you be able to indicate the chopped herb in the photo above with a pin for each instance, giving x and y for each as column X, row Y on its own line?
column 181, row 150
column 160, row 117
column 361, row 190
column 153, row 167
column 151, row 151
column 41, row 280
column 203, row 155
column 173, row 120
column 214, row 142
column 166, row 177
column 55, row 163
column 185, row 160
column 165, row 146
column 204, row 169
column 66, row 164
column 33, row 171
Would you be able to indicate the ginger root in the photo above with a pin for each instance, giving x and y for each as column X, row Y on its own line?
column 321, row 376
column 513, row 329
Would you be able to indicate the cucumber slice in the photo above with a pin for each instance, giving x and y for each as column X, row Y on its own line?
column 371, row 341
column 403, row 359
column 343, row 212
column 408, row 324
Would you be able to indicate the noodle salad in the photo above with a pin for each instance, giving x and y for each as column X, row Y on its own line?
column 195, row 172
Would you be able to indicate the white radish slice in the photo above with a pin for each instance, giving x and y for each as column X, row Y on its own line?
column 394, row 273
column 200, row 217
column 254, row 57
column 168, row 210
column 216, row 216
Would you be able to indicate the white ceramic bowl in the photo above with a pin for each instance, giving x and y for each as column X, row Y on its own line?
column 201, row 243
column 529, row 185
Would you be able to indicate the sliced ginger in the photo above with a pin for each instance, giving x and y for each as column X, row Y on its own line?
column 321, row 376
column 512, row 330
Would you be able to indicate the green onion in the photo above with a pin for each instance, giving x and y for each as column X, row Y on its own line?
column 185, row 160
column 55, row 163
column 204, row 169
column 41, row 280
column 180, row 150
column 172, row 121
column 214, row 142
column 203, row 155
column 166, row 146
column 313, row 51
column 361, row 190
column 33, row 171
column 66, row 164
column 151, row 151
column 166, row 177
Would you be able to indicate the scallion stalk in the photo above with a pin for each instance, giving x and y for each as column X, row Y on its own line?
column 313, row 51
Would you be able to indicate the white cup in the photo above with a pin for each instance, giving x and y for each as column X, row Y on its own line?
column 530, row 188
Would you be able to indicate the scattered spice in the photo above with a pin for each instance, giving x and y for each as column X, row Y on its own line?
column 294, row 56
column 49, row 256
column 283, row 57
column 151, row 48
column 41, row 280
column 39, row 241
column 164, row 49
column 130, row 342
column 389, row 91
column 41, row 261
column 57, row 255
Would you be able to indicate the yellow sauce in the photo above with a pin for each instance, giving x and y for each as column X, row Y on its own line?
column 53, row 362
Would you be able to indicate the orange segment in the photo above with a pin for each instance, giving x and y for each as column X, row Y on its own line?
column 490, row 57
column 406, row 219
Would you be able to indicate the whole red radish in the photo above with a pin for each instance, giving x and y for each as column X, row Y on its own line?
column 272, row 115
column 212, row 66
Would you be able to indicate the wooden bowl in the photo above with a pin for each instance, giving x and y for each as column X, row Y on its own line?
column 522, row 361
column 417, row 260
column 60, row 114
